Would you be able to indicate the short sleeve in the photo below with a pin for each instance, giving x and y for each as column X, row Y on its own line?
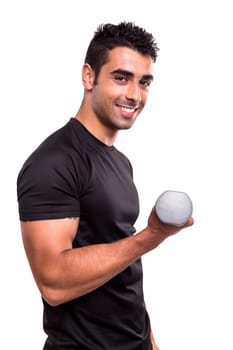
column 48, row 186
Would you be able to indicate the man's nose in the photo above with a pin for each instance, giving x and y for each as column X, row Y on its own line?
column 134, row 92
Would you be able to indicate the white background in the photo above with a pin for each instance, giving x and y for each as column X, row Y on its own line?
column 182, row 141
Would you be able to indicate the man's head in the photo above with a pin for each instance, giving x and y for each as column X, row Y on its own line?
column 116, row 76
column 110, row 36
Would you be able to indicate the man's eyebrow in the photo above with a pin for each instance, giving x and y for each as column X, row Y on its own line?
column 130, row 74
column 148, row 77
column 123, row 72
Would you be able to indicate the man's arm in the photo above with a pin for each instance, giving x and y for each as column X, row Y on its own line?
column 154, row 345
column 63, row 273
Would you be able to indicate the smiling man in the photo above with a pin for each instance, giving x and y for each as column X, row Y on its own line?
column 78, row 205
column 116, row 97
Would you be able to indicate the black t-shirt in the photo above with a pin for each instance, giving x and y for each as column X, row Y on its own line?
column 72, row 174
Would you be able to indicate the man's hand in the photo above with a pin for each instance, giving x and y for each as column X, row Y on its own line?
column 162, row 230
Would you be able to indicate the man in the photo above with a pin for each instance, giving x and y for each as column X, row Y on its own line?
column 78, row 205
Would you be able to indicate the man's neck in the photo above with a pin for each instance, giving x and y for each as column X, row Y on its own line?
column 94, row 126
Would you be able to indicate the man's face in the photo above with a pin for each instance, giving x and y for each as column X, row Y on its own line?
column 122, row 87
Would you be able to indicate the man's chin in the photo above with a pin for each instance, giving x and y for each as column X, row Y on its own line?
column 127, row 124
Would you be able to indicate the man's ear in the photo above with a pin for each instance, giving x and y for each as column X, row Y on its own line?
column 88, row 76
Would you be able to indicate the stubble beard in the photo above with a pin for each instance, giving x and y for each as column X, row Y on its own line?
column 114, row 122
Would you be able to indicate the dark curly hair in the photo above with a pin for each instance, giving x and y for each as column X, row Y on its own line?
column 108, row 36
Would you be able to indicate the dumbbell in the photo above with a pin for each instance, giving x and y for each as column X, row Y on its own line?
column 174, row 207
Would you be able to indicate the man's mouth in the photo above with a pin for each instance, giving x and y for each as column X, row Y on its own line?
column 127, row 109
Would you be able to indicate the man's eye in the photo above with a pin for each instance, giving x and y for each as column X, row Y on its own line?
column 120, row 78
column 146, row 83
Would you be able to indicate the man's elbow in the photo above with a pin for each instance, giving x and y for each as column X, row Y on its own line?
column 52, row 296
column 55, row 296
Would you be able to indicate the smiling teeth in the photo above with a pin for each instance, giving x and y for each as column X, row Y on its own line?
column 128, row 109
